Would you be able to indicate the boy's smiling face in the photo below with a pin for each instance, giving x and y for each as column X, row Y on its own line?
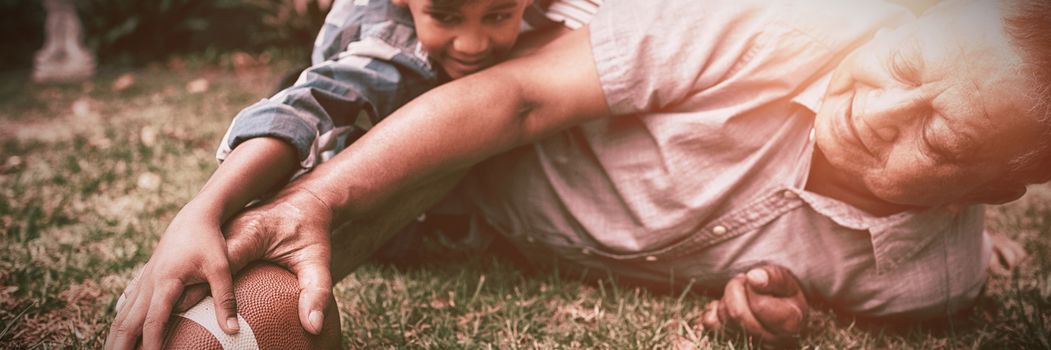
column 465, row 36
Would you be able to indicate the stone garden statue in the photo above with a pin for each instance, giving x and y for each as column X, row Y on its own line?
column 63, row 57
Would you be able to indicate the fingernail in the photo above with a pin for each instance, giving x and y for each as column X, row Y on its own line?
column 758, row 277
column 120, row 302
column 231, row 323
column 315, row 319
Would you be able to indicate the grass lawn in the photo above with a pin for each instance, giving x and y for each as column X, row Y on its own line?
column 90, row 177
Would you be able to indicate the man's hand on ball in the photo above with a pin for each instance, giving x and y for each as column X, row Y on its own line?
column 292, row 230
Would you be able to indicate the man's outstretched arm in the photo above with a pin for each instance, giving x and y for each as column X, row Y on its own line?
column 461, row 123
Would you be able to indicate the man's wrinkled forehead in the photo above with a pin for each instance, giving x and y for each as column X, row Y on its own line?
column 961, row 28
column 961, row 14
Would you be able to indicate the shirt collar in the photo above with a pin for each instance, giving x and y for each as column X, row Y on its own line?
column 812, row 95
column 895, row 238
column 810, row 98
column 422, row 55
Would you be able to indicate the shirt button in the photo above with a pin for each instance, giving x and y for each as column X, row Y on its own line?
column 585, row 251
column 651, row 258
column 530, row 239
column 422, row 217
column 720, row 229
column 789, row 194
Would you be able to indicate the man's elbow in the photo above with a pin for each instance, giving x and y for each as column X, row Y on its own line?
column 511, row 114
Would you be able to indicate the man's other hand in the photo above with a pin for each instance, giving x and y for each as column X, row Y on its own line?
column 1007, row 254
column 291, row 230
column 767, row 303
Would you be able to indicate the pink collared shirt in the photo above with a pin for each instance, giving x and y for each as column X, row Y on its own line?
column 700, row 173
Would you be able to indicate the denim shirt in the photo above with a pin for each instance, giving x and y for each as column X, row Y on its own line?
column 700, row 174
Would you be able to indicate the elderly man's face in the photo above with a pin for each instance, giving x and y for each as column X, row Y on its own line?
column 930, row 113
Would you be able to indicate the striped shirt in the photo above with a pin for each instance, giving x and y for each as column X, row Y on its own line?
column 573, row 14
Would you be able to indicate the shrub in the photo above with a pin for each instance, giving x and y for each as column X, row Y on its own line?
column 143, row 30
column 22, row 31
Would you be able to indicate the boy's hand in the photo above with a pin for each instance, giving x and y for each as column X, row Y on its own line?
column 767, row 303
column 191, row 251
column 293, row 231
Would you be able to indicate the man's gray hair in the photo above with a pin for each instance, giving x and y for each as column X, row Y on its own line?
column 1029, row 24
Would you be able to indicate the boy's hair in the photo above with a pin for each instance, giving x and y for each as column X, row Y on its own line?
column 459, row 3
column 450, row 3
column 1028, row 22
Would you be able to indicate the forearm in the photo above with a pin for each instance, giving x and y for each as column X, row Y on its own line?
column 253, row 168
column 357, row 241
column 461, row 123
column 424, row 139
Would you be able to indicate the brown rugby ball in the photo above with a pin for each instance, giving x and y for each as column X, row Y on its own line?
column 267, row 300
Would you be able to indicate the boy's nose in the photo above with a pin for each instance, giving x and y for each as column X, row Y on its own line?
column 471, row 44
column 887, row 111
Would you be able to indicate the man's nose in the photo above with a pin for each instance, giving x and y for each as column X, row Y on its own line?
column 471, row 44
column 888, row 111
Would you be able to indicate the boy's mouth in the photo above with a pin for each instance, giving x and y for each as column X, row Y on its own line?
column 466, row 66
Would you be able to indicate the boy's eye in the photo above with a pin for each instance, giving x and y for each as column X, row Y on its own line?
column 445, row 17
column 497, row 17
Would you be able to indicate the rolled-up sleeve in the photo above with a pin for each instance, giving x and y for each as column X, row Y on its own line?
column 334, row 102
column 653, row 54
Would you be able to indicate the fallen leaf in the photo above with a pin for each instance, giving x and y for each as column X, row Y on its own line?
column 82, row 107
column 123, row 82
column 148, row 136
column 11, row 164
column 243, row 60
column 197, row 86
column 149, row 181
column 439, row 304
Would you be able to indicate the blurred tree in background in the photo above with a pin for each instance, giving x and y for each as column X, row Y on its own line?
column 136, row 31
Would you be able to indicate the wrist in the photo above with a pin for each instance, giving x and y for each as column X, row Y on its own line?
column 322, row 199
column 202, row 209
